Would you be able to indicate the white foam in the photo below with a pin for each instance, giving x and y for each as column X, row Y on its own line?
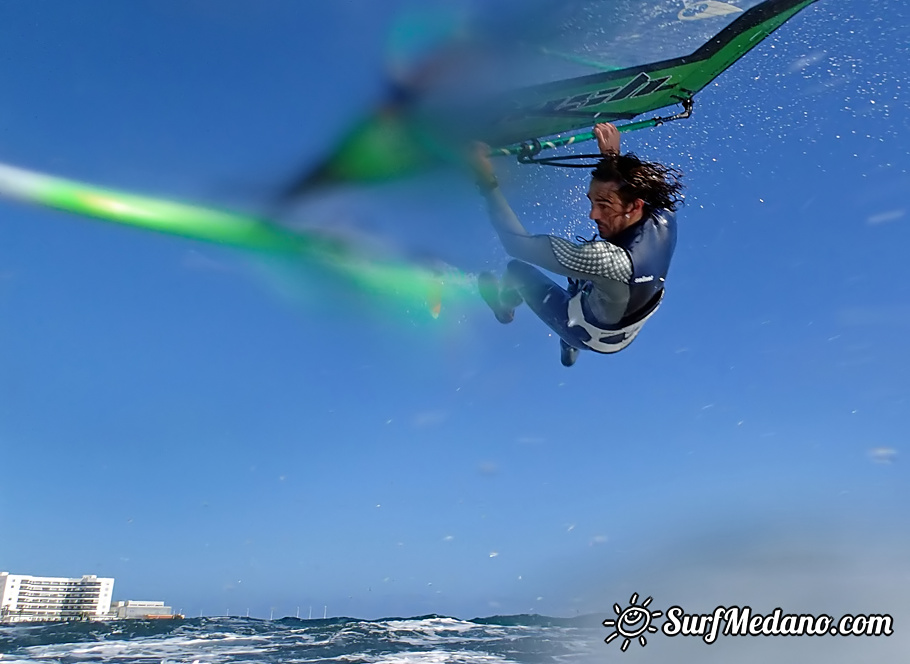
column 425, row 641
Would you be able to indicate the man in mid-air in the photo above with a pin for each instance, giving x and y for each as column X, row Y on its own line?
column 616, row 283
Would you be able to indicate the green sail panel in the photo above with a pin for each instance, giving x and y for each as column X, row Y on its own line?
column 627, row 93
column 675, row 49
column 417, row 286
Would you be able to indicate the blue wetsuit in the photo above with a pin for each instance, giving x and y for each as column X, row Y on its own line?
column 618, row 283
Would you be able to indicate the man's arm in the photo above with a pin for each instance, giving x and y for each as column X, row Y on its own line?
column 607, row 138
column 590, row 260
column 515, row 238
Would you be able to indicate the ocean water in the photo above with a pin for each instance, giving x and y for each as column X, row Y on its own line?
column 424, row 639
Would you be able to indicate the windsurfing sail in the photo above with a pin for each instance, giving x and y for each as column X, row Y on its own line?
column 604, row 62
column 417, row 285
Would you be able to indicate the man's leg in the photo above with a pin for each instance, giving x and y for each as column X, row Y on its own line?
column 568, row 354
column 489, row 287
column 549, row 301
column 503, row 297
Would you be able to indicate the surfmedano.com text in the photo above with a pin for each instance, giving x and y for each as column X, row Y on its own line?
column 741, row 621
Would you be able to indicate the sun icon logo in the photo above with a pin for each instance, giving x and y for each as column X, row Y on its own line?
column 632, row 622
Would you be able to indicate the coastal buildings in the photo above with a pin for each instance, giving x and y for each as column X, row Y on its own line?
column 25, row 598
column 132, row 608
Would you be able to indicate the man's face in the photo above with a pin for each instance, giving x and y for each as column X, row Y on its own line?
column 607, row 209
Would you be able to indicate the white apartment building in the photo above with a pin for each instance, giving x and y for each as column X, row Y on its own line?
column 133, row 608
column 26, row 598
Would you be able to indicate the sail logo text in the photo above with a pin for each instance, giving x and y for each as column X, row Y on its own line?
column 639, row 86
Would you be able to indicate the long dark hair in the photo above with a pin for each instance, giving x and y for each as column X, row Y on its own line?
column 657, row 185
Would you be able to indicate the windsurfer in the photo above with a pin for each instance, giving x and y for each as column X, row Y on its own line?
column 615, row 283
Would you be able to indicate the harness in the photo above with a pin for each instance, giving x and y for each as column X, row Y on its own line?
column 614, row 339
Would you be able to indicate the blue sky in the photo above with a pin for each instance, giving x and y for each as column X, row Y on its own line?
column 215, row 433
